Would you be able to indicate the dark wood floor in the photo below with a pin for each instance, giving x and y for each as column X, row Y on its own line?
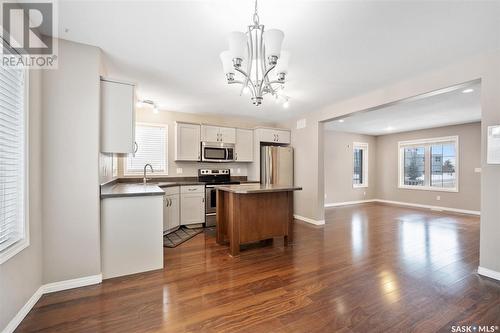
column 371, row 268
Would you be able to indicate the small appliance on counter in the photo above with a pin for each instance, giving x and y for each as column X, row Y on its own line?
column 212, row 177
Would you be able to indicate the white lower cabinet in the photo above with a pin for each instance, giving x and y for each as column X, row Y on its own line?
column 171, row 212
column 192, row 204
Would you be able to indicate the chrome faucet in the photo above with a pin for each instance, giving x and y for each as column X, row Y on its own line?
column 145, row 180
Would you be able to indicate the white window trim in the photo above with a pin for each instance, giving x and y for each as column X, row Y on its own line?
column 364, row 147
column 427, row 143
column 23, row 243
column 155, row 173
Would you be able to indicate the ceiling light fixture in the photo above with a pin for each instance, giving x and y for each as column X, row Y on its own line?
column 341, row 120
column 468, row 90
column 261, row 53
column 149, row 103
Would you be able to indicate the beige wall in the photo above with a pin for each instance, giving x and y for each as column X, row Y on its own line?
column 309, row 147
column 21, row 275
column 71, row 247
column 189, row 169
column 469, row 195
column 339, row 163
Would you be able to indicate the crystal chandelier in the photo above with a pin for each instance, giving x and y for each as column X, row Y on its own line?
column 257, row 56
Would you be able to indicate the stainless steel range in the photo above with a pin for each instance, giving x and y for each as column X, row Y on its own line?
column 212, row 177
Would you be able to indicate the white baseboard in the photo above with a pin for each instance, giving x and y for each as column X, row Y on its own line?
column 409, row 204
column 488, row 273
column 18, row 318
column 437, row 208
column 308, row 220
column 70, row 284
column 347, row 203
column 46, row 289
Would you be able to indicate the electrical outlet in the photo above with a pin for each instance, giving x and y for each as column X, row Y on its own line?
column 238, row 171
column 364, row 193
column 231, row 170
column 438, row 198
column 179, row 170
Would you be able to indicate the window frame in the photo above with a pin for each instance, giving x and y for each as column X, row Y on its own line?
column 155, row 173
column 427, row 144
column 24, row 242
column 364, row 167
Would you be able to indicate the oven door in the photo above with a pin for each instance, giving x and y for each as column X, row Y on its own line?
column 214, row 154
column 210, row 206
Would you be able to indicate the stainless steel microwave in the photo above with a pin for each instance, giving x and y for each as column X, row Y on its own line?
column 217, row 152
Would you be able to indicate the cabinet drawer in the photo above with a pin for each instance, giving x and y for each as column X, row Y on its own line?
column 193, row 189
column 171, row 190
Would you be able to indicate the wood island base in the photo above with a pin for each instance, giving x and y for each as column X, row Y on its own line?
column 252, row 217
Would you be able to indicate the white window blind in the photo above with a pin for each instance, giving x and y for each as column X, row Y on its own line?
column 151, row 148
column 12, row 157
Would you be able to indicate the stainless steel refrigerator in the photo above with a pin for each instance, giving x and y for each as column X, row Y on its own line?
column 276, row 165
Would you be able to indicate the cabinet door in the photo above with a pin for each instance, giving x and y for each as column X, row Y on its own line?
column 267, row 135
column 117, row 117
column 227, row 134
column 192, row 208
column 282, row 136
column 210, row 133
column 171, row 213
column 244, row 145
column 187, row 145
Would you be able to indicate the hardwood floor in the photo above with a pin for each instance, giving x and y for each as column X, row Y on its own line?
column 371, row 268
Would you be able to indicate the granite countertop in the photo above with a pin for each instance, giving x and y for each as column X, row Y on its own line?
column 129, row 190
column 257, row 188
column 134, row 188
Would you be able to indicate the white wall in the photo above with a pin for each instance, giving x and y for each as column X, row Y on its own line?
column 71, row 247
column 21, row 275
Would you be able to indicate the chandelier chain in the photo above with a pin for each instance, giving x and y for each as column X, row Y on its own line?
column 255, row 15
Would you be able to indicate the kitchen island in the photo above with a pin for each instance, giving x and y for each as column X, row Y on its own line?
column 253, row 212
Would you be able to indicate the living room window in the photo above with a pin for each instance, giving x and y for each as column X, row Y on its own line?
column 151, row 148
column 430, row 164
column 14, row 235
column 360, row 165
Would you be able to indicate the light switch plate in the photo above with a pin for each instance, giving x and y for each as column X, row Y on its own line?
column 477, row 170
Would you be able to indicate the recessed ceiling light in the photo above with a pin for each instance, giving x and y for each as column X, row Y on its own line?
column 389, row 128
column 341, row 120
column 468, row 90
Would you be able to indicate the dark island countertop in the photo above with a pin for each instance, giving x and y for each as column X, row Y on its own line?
column 257, row 188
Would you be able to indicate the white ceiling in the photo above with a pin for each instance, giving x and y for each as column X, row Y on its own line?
column 339, row 49
column 444, row 109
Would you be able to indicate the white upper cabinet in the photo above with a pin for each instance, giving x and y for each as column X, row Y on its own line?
column 117, row 117
column 218, row 134
column 187, row 142
column 273, row 135
column 244, row 145
column 227, row 134
column 210, row 133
